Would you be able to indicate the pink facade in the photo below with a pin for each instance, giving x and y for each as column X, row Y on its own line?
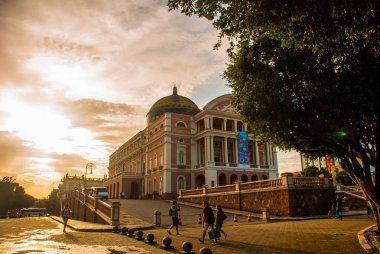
column 183, row 147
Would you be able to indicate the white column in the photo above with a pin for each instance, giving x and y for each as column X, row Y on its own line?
column 237, row 150
column 225, row 151
column 275, row 161
column 257, row 159
column 235, row 123
column 207, row 149
column 212, row 148
column 192, row 184
column 194, row 153
column 167, row 152
column 225, row 124
column 267, row 153
column 211, row 175
column 167, row 181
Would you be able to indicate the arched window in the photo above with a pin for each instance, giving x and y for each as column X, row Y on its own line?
column 181, row 157
column 264, row 177
column 181, row 125
column 222, row 179
column 244, row 178
column 233, row 178
column 255, row 178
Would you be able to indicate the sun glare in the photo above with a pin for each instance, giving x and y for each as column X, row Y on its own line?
column 48, row 130
column 74, row 78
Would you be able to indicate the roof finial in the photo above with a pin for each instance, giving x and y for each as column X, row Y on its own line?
column 174, row 90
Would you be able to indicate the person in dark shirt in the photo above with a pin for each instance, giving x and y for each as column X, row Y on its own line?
column 220, row 217
column 208, row 221
column 173, row 212
column 65, row 216
column 339, row 207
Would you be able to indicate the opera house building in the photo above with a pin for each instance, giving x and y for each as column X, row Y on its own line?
column 184, row 147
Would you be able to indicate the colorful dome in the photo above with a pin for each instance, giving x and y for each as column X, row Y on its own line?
column 174, row 104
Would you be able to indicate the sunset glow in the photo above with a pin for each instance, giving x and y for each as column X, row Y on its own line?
column 78, row 78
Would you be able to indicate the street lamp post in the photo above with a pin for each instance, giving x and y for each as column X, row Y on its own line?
column 88, row 165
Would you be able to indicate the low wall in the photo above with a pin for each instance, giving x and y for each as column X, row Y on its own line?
column 285, row 198
column 280, row 201
column 90, row 209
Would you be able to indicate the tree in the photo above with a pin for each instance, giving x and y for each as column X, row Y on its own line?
column 305, row 76
column 343, row 178
column 311, row 171
column 13, row 196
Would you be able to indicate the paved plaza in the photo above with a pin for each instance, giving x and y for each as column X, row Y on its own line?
column 44, row 235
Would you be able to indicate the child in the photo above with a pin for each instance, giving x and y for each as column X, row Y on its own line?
column 220, row 217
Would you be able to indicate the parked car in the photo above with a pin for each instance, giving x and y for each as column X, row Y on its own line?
column 100, row 192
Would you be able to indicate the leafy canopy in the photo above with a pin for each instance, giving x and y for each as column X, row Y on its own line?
column 305, row 76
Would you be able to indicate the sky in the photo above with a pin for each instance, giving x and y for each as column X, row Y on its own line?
column 77, row 78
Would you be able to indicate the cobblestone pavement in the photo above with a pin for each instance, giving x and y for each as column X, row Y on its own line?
column 139, row 211
column 32, row 235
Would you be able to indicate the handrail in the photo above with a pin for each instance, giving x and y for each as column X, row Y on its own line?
column 298, row 182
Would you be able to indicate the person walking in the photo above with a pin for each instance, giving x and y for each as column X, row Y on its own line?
column 173, row 212
column 220, row 217
column 65, row 213
column 339, row 207
column 208, row 221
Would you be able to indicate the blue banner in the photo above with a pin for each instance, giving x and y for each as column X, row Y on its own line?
column 243, row 149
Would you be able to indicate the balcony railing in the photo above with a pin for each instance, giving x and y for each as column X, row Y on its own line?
column 223, row 188
column 287, row 181
column 261, row 184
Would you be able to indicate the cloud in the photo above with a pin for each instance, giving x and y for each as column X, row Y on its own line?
column 13, row 151
column 290, row 161
column 112, row 123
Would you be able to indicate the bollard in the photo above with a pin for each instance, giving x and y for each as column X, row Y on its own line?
column 249, row 218
column 200, row 219
column 187, row 248
column 157, row 218
column 140, row 235
column 115, row 229
column 123, row 231
column 131, row 233
column 167, row 241
column 235, row 218
column 205, row 250
column 150, row 239
column 266, row 215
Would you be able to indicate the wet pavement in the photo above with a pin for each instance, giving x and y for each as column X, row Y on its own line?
column 43, row 235
column 318, row 236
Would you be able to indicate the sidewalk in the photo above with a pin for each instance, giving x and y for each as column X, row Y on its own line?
column 274, row 217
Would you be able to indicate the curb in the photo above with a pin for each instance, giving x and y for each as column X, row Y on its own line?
column 110, row 229
column 366, row 245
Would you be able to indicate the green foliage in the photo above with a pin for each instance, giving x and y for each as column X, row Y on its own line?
column 313, row 171
column 13, row 196
column 343, row 178
column 305, row 76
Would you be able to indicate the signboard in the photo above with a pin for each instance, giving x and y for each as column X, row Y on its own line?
column 243, row 155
